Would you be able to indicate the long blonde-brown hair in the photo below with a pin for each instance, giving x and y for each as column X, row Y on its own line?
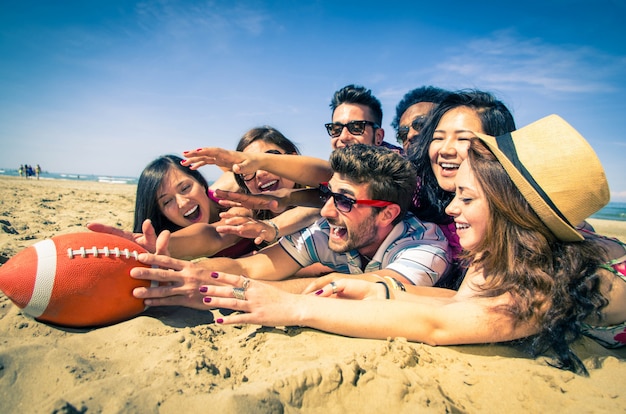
column 550, row 281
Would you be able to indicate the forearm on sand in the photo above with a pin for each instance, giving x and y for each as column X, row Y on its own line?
column 443, row 321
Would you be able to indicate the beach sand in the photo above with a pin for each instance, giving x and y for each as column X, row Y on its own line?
column 172, row 360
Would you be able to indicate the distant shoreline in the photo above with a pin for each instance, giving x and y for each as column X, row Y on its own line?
column 91, row 178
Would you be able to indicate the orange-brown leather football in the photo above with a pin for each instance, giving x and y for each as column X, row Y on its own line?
column 75, row 280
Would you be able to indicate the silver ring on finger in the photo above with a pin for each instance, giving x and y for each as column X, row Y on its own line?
column 334, row 286
column 246, row 283
column 239, row 293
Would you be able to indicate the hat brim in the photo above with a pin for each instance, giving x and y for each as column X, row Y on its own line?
column 556, row 171
column 561, row 229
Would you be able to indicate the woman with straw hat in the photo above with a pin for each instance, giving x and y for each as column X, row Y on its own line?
column 530, row 272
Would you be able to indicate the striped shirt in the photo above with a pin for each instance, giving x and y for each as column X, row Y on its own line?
column 417, row 250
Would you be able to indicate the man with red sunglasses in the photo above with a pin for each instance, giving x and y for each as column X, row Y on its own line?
column 365, row 231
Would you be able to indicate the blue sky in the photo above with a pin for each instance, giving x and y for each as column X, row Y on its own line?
column 104, row 86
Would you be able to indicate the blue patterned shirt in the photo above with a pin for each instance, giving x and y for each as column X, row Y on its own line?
column 417, row 250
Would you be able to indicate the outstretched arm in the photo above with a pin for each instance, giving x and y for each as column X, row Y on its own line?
column 179, row 280
column 435, row 321
column 299, row 168
column 380, row 276
column 267, row 230
column 275, row 201
column 147, row 239
column 199, row 240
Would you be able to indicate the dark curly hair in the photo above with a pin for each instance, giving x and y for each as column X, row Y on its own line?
column 422, row 94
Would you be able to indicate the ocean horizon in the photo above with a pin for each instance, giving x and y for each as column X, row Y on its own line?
column 615, row 210
column 46, row 175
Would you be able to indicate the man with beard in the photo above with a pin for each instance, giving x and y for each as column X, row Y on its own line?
column 365, row 231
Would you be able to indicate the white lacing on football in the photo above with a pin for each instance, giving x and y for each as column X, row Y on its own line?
column 106, row 251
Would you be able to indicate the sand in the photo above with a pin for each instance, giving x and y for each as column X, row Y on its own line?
column 172, row 360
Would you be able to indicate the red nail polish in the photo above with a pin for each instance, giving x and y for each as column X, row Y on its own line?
column 319, row 292
column 219, row 320
column 199, row 149
column 214, row 275
column 185, row 152
column 206, row 300
column 203, row 289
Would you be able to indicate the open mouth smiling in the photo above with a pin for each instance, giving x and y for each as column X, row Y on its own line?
column 269, row 186
column 337, row 231
column 449, row 166
column 193, row 214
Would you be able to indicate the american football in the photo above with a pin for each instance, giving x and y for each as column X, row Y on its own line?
column 75, row 280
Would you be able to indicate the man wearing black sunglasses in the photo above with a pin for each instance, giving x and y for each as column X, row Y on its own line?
column 412, row 112
column 357, row 117
column 365, row 231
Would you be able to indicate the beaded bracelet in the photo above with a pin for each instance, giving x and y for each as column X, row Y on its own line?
column 277, row 235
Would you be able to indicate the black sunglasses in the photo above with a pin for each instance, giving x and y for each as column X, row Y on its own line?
column 417, row 125
column 250, row 177
column 344, row 203
column 354, row 127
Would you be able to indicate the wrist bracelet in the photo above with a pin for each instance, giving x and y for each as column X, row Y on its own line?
column 276, row 236
column 396, row 284
column 386, row 289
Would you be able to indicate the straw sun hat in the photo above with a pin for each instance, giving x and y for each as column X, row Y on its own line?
column 556, row 170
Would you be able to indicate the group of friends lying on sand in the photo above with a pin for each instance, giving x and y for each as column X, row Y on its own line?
column 472, row 232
